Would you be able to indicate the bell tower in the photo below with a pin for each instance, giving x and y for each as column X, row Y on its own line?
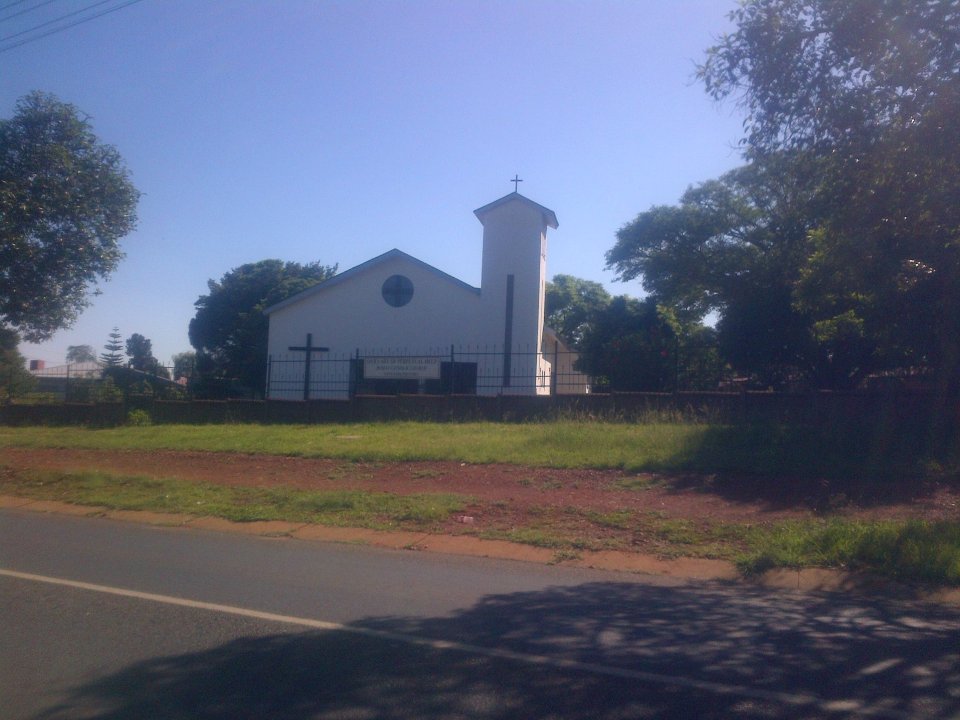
column 513, row 283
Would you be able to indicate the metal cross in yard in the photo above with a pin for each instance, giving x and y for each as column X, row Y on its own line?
column 309, row 349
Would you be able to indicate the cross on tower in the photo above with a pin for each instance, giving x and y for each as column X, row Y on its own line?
column 516, row 181
column 309, row 349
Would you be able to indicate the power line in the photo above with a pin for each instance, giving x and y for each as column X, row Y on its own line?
column 56, row 30
column 10, row 5
column 25, row 10
column 55, row 20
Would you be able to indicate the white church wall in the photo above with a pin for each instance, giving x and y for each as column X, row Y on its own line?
column 349, row 313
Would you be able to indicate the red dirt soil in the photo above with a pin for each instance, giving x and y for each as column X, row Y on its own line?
column 508, row 490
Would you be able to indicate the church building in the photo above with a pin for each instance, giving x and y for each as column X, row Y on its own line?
column 395, row 324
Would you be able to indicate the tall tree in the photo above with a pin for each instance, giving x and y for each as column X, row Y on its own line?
column 230, row 330
column 732, row 246
column 81, row 354
column 571, row 304
column 112, row 356
column 15, row 380
column 65, row 202
column 630, row 346
column 836, row 251
column 140, row 351
column 870, row 90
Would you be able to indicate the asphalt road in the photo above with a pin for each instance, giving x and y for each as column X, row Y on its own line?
column 105, row 619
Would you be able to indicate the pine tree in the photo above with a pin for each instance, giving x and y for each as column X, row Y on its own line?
column 113, row 356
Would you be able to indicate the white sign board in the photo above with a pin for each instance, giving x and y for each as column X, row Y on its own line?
column 401, row 368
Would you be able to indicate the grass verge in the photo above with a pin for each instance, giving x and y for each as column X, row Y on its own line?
column 344, row 508
column 914, row 551
column 911, row 551
column 658, row 447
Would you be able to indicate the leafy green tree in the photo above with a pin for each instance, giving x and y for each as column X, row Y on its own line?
column 230, row 330
column 827, row 75
column 184, row 365
column 732, row 246
column 868, row 90
column 571, row 304
column 81, row 354
column 836, row 251
column 630, row 346
column 15, row 380
column 65, row 202
column 112, row 356
column 140, row 351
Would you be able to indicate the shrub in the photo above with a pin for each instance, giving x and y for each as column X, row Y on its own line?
column 139, row 417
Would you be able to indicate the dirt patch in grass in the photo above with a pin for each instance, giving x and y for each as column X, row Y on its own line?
column 515, row 496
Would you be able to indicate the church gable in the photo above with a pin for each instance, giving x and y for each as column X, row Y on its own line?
column 393, row 301
column 392, row 258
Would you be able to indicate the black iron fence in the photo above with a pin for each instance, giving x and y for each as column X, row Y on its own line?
column 482, row 371
column 93, row 382
column 451, row 371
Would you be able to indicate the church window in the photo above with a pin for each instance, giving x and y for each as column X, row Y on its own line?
column 397, row 290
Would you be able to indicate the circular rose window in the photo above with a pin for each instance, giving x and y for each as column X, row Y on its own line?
column 397, row 290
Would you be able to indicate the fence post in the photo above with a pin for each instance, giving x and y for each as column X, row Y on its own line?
column 266, row 386
column 354, row 382
column 453, row 370
column 676, row 376
column 554, row 380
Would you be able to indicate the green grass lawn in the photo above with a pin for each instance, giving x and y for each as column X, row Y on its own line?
column 344, row 508
column 910, row 550
column 760, row 449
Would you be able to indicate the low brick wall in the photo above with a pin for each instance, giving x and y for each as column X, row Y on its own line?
column 91, row 414
column 808, row 408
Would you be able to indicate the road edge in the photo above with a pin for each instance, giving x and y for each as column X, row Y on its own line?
column 692, row 569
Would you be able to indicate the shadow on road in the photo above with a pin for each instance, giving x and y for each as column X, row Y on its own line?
column 832, row 656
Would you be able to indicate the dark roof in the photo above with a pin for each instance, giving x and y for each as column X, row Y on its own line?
column 356, row 270
column 549, row 217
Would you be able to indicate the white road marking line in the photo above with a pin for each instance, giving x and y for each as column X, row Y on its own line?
column 845, row 706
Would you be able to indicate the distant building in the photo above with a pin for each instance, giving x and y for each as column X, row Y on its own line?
column 56, row 379
column 395, row 321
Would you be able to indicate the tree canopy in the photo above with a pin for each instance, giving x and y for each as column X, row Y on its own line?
column 732, row 246
column 630, row 345
column 81, row 354
column 65, row 202
column 824, row 75
column 571, row 304
column 140, row 351
column 870, row 91
column 15, row 380
column 184, row 365
column 230, row 330
column 836, row 251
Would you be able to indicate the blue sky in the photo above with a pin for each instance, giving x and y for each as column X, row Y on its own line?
column 335, row 131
